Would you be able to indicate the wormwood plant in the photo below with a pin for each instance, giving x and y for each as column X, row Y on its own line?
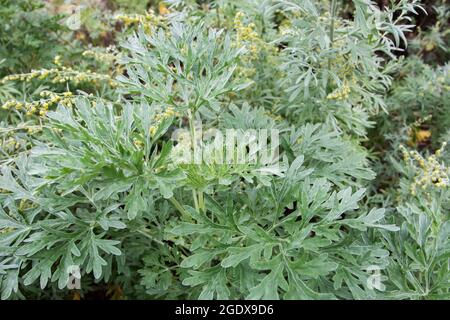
column 418, row 266
column 74, row 202
column 28, row 35
column 103, row 187
column 345, row 61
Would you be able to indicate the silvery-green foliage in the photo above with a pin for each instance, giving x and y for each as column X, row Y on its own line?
column 106, row 183
column 103, row 188
column 76, row 202
column 326, row 55
column 420, row 252
column 188, row 70
column 66, row 201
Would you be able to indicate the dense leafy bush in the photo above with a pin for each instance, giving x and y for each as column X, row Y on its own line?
column 352, row 202
column 29, row 37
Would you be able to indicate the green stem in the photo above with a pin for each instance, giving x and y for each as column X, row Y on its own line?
column 145, row 232
column 197, row 195
column 180, row 208
column 194, row 149
column 201, row 201
column 218, row 16
column 194, row 196
column 333, row 7
column 192, row 131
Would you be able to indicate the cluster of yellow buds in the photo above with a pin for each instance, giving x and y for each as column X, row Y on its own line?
column 52, row 98
column 430, row 172
column 340, row 93
column 34, row 74
column 160, row 117
column 56, row 130
column 34, row 129
column 405, row 153
column 6, row 230
column 147, row 21
column 246, row 35
column 340, row 62
column 285, row 26
column 106, row 57
column 57, row 60
column 41, row 106
column 11, row 144
column 129, row 20
column 326, row 15
column 153, row 130
column 245, row 72
column 138, row 143
column 13, row 104
column 25, row 204
column 443, row 82
column 169, row 112
column 62, row 74
column 274, row 116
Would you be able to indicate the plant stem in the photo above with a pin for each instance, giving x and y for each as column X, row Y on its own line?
column 333, row 6
column 197, row 195
column 180, row 208
column 145, row 232
column 192, row 133
column 194, row 196
column 194, row 152
column 201, row 201
column 218, row 16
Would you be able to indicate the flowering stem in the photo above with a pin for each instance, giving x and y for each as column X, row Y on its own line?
column 218, row 16
column 333, row 6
